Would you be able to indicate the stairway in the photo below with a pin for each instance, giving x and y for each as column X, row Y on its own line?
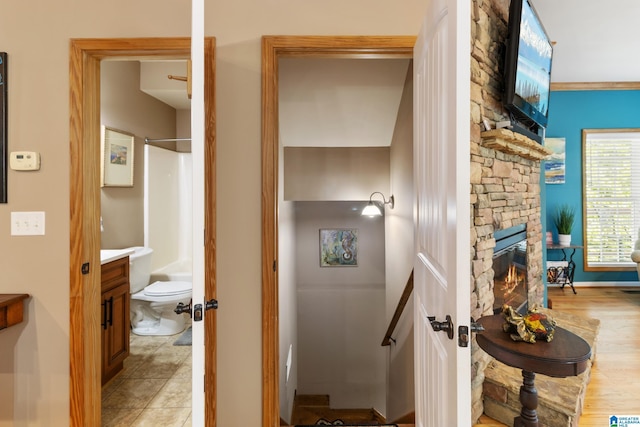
column 314, row 409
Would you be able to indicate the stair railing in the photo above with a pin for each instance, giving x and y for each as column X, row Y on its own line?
column 408, row 288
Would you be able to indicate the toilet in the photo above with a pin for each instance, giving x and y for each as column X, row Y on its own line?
column 153, row 305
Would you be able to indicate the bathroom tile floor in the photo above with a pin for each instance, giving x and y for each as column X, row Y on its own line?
column 153, row 389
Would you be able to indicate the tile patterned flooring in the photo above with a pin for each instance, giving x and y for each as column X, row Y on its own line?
column 153, row 389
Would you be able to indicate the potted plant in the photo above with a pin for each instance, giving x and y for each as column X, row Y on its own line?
column 565, row 215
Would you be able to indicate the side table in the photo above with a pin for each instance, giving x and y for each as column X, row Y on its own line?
column 11, row 309
column 571, row 265
column 566, row 355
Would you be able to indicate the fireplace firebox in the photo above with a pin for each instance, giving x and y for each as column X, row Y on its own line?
column 510, row 269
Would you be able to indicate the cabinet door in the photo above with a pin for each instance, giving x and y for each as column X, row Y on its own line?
column 115, row 341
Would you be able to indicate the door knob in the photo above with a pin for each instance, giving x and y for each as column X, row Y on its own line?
column 446, row 326
column 463, row 332
column 476, row 327
column 182, row 308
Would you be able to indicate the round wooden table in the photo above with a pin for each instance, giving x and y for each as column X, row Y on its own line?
column 566, row 355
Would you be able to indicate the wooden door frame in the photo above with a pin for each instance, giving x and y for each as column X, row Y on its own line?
column 84, row 137
column 273, row 48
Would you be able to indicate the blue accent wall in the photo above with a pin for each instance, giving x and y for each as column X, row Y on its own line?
column 569, row 113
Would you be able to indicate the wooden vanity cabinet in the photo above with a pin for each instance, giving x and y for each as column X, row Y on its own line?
column 114, row 316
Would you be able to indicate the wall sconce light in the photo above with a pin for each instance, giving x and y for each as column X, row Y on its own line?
column 373, row 208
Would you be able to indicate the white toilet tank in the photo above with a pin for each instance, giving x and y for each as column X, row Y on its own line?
column 139, row 268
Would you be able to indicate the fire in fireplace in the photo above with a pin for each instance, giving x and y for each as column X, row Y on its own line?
column 510, row 269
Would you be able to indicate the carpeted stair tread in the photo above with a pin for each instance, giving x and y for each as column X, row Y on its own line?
column 316, row 410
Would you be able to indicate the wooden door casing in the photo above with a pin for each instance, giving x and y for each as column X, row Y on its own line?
column 84, row 135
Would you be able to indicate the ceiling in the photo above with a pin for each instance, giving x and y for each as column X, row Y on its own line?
column 596, row 41
column 332, row 102
column 154, row 81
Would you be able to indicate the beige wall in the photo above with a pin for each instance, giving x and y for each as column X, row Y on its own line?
column 34, row 361
column 124, row 107
column 335, row 173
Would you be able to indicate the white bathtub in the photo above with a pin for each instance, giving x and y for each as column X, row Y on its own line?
column 176, row 271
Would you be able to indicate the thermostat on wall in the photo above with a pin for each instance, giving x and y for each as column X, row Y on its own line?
column 25, row 161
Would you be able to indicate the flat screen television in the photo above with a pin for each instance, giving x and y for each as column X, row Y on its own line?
column 527, row 70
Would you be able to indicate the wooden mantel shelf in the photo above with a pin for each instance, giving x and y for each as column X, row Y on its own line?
column 514, row 143
column 11, row 309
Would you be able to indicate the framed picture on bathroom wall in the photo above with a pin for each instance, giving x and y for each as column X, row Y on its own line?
column 339, row 247
column 117, row 158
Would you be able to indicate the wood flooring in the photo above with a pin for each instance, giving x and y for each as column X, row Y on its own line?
column 308, row 409
column 614, row 388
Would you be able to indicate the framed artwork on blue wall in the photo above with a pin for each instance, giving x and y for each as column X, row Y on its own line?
column 554, row 166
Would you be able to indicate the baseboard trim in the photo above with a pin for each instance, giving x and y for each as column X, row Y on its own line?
column 597, row 285
column 409, row 418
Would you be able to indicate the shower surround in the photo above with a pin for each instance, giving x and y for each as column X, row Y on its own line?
column 168, row 207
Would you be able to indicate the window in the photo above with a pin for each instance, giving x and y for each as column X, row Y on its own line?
column 612, row 197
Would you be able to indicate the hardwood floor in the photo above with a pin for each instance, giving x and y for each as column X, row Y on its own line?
column 614, row 388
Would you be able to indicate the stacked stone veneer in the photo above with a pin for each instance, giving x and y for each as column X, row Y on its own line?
column 505, row 178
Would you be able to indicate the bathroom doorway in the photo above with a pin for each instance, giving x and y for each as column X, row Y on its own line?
column 154, row 216
column 86, row 56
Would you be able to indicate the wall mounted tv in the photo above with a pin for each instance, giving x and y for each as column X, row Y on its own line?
column 527, row 71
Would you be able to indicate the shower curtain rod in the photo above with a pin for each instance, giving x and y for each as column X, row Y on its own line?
column 147, row 140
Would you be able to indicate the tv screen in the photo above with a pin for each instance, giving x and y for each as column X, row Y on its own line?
column 527, row 66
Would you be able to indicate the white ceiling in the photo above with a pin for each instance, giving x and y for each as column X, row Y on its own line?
column 596, row 40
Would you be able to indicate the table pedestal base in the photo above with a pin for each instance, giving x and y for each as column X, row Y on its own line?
column 529, row 400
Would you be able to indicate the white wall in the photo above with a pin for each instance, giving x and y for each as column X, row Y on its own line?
column 341, row 309
column 34, row 365
column 400, row 257
column 287, row 299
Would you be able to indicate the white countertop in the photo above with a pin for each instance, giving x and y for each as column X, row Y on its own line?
column 108, row 255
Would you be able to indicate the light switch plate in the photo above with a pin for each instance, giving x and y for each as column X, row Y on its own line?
column 27, row 223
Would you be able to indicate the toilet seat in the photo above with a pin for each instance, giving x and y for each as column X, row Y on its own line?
column 165, row 289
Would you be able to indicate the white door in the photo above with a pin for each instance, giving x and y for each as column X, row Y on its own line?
column 198, row 155
column 442, row 225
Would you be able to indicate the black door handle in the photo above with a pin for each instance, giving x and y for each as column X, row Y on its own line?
column 446, row 326
column 110, row 312
column 104, row 315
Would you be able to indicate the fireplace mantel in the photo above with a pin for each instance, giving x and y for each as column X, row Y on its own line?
column 514, row 143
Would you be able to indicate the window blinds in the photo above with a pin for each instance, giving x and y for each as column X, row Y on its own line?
column 612, row 197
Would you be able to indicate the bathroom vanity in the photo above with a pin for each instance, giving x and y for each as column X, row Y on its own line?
column 114, row 314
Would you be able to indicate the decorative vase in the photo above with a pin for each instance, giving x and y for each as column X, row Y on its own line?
column 549, row 238
column 564, row 239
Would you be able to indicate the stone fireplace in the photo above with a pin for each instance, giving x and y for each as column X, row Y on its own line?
column 505, row 195
column 510, row 269
column 505, row 181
